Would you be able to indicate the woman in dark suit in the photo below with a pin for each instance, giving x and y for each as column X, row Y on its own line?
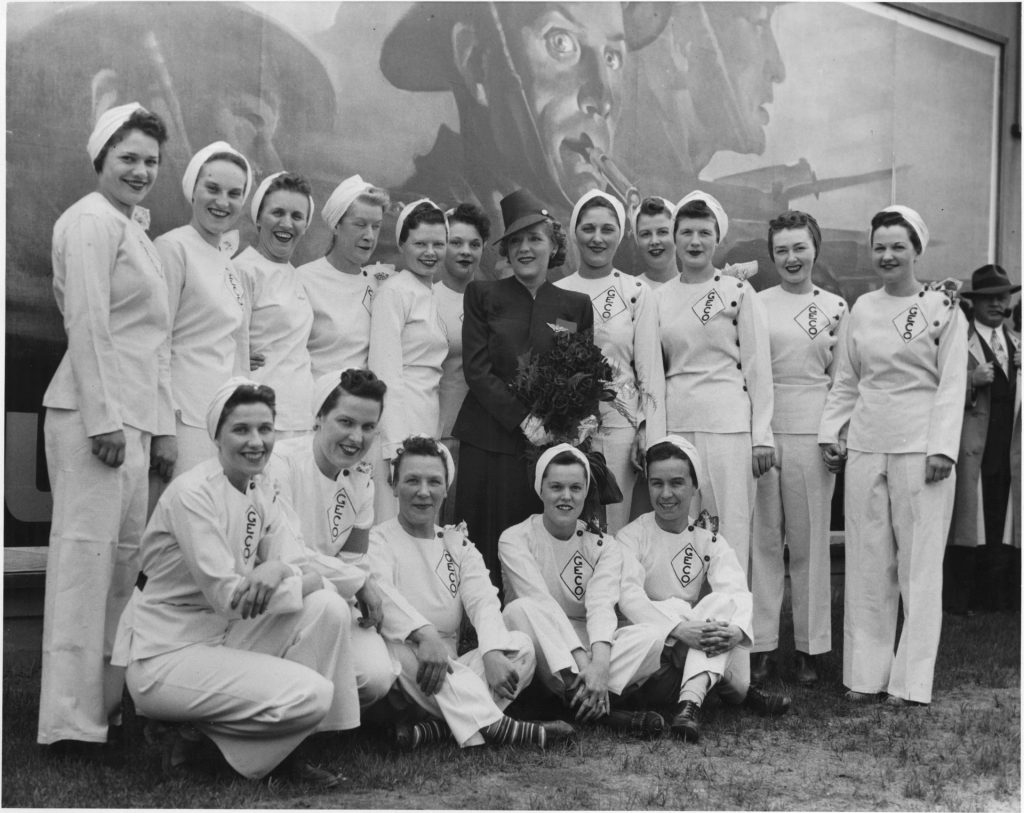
column 502, row 320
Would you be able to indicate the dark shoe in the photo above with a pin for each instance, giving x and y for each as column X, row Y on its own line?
column 859, row 697
column 894, row 702
column 765, row 704
column 806, row 674
column 97, row 753
column 762, row 666
column 557, row 731
column 686, row 722
column 410, row 736
column 645, row 724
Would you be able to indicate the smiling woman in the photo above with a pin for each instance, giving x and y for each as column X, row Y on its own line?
column 209, row 308
column 108, row 416
column 281, row 316
column 407, row 339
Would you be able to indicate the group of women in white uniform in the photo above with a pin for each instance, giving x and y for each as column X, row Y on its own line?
column 322, row 563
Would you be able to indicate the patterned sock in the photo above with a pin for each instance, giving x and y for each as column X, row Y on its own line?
column 508, row 731
column 410, row 737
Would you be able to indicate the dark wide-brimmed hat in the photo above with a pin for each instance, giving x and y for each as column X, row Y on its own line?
column 520, row 210
column 989, row 280
column 417, row 52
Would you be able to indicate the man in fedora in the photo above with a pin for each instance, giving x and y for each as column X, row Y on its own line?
column 538, row 87
column 978, row 560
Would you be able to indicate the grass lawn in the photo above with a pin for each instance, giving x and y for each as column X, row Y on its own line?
column 960, row 753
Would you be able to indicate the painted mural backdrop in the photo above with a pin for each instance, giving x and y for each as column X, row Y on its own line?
column 836, row 109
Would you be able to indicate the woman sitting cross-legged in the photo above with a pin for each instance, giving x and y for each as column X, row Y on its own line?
column 669, row 564
column 232, row 633
column 442, row 575
column 562, row 583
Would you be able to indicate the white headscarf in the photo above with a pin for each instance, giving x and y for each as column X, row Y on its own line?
column 713, row 205
column 449, row 462
column 687, row 448
column 634, row 214
column 227, row 389
column 407, row 210
column 551, row 454
column 620, row 211
column 342, row 198
column 107, row 124
column 914, row 219
column 261, row 192
column 191, row 176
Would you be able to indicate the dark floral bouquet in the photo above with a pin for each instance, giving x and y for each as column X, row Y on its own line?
column 564, row 386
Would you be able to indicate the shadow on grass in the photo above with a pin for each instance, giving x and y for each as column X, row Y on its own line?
column 960, row 753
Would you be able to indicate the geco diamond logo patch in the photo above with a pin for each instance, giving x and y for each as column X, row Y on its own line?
column 448, row 572
column 608, row 304
column 911, row 323
column 708, row 306
column 688, row 565
column 576, row 574
column 337, row 514
column 813, row 321
column 368, row 298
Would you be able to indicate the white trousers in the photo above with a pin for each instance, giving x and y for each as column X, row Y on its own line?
column 730, row 670
column 385, row 505
column 726, row 486
column 375, row 669
column 465, row 701
column 194, row 446
column 793, row 506
column 615, row 443
column 635, row 655
column 896, row 527
column 99, row 514
column 275, row 680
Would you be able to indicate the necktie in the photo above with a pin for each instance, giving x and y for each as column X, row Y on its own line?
column 998, row 350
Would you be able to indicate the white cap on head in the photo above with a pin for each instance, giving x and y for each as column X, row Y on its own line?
column 449, row 461
column 620, row 211
column 220, row 398
column 407, row 210
column 687, row 448
column 713, row 205
column 107, row 124
column 551, row 454
column 914, row 219
column 323, row 387
column 191, row 176
column 342, row 198
column 634, row 214
column 261, row 192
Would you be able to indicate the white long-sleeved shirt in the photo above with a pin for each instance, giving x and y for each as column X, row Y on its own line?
column 204, row 538
column 342, row 303
column 902, row 376
column 803, row 331
column 626, row 330
column 453, row 387
column 442, row 578
column 279, row 326
column 575, row 579
column 210, row 320
column 660, row 565
column 109, row 285
column 718, row 375
column 407, row 348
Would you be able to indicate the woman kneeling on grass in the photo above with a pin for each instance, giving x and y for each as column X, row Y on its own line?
column 231, row 632
column 562, row 583
column 444, row 578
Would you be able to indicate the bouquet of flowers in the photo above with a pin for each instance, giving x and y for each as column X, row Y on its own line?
column 564, row 386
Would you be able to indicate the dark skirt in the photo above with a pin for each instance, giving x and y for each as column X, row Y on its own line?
column 495, row 492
